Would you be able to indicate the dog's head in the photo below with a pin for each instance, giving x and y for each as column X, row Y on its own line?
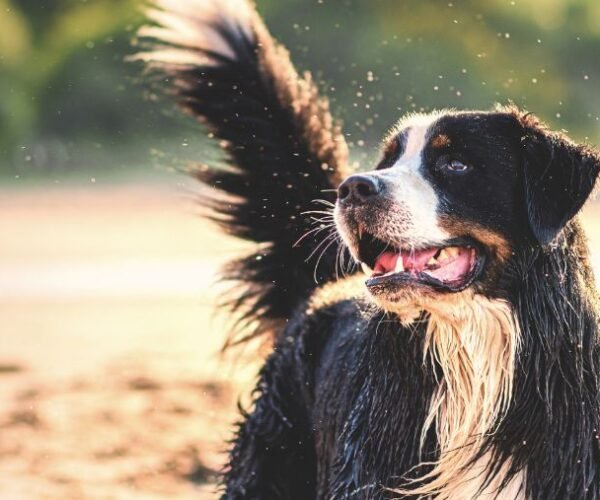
column 455, row 195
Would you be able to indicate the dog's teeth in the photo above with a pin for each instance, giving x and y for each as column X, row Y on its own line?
column 360, row 231
column 444, row 255
column 399, row 265
column 366, row 269
column 452, row 252
column 432, row 261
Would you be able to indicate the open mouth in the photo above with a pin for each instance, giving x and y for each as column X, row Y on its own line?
column 450, row 267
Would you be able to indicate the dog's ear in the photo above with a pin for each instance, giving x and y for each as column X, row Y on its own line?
column 559, row 176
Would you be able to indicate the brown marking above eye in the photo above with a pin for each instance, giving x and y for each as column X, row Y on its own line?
column 440, row 141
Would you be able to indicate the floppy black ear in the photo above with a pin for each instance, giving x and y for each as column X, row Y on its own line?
column 559, row 177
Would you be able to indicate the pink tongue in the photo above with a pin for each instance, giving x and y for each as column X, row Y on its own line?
column 455, row 269
column 386, row 262
column 416, row 262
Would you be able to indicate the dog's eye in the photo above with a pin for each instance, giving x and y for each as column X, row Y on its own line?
column 456, row 166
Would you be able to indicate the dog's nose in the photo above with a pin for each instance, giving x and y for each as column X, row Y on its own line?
column 358, row 189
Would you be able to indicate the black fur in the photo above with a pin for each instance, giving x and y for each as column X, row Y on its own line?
column 552, row 427
column 342, row 399
column 317, row 434
column 282, row 156
column 559, row 177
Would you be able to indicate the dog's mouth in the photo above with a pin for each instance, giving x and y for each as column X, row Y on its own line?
column 450, row 267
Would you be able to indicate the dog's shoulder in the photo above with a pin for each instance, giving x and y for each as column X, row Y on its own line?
column 337, row 307
column 345, row 294
column 329, row 313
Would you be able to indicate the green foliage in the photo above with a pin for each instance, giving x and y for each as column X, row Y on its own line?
column 69, row 100
column 39, row 41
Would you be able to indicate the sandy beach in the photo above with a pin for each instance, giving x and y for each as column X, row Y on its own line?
column 112, row 382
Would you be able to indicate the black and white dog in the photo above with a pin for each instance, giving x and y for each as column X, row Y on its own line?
column 467, row 365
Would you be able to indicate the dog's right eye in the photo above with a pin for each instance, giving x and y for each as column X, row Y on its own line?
column 456, row 166
column 452, row 166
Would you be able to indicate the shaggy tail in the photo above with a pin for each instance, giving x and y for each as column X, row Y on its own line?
column 283, row 149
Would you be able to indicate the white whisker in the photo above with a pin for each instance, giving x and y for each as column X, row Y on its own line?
column 334, row 240
column 314, row 231
column 330, row 236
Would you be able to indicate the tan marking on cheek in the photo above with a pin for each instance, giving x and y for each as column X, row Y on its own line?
column 491, row 239
column 440, row 141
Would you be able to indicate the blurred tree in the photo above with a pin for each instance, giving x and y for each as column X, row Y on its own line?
column 38, row 40
column 63, row 79
column 389, row 57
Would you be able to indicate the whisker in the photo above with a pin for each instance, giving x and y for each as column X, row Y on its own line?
column 327, row 238
column 324, row 202
column 315, row 230
column 322, row 212
column 339, row 264
column 321, row 218
column 342, row 253
column 334, row 240
column 351, row 264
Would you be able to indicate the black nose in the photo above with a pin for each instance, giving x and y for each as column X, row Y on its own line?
column 358, row 189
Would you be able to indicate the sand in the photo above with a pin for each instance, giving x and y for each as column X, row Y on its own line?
column 111, row 382
column 112, row 385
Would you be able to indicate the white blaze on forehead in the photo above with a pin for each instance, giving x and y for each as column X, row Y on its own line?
column 418, row 126
column 410, row 188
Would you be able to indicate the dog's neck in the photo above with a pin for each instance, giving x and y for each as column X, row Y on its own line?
column 473, row 342
column 517, row 378
column 556, row 403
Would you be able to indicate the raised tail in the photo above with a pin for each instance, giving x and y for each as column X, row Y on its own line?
column 283, row 149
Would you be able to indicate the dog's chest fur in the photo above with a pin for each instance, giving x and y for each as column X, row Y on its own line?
column 388, row 397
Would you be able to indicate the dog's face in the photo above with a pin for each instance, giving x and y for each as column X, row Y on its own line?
column 454, row 197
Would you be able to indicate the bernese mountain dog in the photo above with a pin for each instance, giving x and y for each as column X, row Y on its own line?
column 464, row 363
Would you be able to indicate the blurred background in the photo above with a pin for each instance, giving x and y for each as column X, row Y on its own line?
column 112, row 385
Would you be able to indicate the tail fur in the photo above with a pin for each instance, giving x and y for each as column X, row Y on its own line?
column 283, row 149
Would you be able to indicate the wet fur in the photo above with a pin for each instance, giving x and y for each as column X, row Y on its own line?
column 224, row 69
column 474, row 341
column 495, row 390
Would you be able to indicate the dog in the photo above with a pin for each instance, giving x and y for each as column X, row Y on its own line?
column 464, row 361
